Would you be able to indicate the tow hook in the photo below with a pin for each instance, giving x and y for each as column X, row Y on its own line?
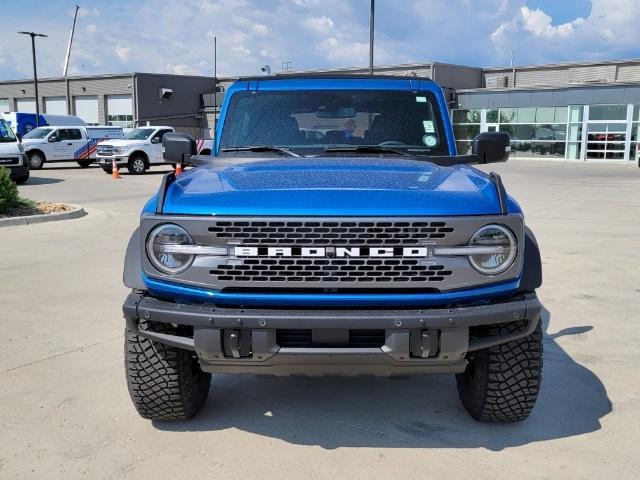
column 237, row 343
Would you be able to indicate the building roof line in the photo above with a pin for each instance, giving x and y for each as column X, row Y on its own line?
column 629, row 61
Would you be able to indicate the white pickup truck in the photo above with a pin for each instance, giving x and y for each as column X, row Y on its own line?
column 66, row 144
column 139, row 149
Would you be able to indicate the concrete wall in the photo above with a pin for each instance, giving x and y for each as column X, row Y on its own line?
column 182, row 110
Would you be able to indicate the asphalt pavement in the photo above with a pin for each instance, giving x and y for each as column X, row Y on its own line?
column 65, row 411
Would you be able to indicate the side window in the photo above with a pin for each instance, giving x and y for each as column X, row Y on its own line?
column 57, row 133
column 157, row 138
column 74, row 134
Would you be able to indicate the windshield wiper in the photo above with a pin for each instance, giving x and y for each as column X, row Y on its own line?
column 365, row 149
column 262, row 148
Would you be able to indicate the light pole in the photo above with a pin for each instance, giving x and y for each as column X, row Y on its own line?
column 33, row 36
column 371, row 32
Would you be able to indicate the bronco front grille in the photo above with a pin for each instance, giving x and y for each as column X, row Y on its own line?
column 335, row 233
column 359, row 270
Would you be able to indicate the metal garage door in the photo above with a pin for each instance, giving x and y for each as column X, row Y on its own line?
column 120, row 111
column 55, row 105
column 26, row 105
column 86, row 107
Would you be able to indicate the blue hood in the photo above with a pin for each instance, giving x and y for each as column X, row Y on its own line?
column 332, row 187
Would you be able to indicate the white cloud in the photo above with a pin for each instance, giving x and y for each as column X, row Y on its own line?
column 319, row 24
column 260, row 29
column 178, row 69
column 92, row 28
column 123, row 53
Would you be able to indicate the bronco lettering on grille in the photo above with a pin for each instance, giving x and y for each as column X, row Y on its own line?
column 336, row 252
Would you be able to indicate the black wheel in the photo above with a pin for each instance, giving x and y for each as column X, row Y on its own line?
column 137, row 165
column 501, row 383
column 22, row 178
column 165, row 383
column 36, row 160
column 84, row 163
column 107, row 170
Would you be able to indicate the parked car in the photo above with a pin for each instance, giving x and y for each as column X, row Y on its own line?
column 138, row 150
column 12, row 154
column 66, row 144
column 23, row 123
column 377, row 250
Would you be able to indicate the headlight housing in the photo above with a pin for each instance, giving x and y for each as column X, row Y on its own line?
column 501, row 249
column 120, row 150
column 163, row 248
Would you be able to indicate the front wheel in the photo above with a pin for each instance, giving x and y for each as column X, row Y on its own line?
column 137, row 165
column 22, row 178
column 501, row 383
column 165, row 383
column 84, row 163
column 36, row 161
column 108, row 170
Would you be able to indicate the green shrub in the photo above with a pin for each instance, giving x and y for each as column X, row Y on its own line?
column 8, row 191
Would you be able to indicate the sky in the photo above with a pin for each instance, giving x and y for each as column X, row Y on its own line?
column 120, row 36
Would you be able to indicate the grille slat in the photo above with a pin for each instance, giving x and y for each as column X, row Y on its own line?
column 331, row 233
column 331, row 270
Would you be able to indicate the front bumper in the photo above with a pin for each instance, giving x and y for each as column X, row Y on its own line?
column 416, row 341
column 108, row 161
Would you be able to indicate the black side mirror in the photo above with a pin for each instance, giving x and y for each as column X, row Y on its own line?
column 178, row 148
column 156, row 140
column 53, row 139
column 492, row 147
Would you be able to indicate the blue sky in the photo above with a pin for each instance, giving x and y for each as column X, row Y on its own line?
column 176, row 37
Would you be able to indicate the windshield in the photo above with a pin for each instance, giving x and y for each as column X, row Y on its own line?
column 38, row 133
column 139, row 134
column 308, row 122
column 6, row 134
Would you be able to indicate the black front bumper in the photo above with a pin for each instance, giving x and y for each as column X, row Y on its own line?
column 16, row 171
column 415, row 341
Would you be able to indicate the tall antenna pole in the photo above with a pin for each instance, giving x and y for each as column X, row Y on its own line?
column 214, row 148
column 371, row 30
column 66, row 60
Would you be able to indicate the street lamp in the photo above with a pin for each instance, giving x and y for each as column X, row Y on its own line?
column 33, row 36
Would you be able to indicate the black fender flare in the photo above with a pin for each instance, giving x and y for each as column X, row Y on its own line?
column 132, row 273
column 532, row 266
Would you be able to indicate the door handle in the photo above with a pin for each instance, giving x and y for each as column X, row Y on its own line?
column 69, row 143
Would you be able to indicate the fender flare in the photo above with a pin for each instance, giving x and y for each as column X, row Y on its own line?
column 132, row 273
column 532, row 266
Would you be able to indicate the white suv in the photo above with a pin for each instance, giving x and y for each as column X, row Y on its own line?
column 138, row 150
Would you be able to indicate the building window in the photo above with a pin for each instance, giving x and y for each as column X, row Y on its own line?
column 606, row 132
column 574, row 132
column 4, row 105
column 466, row 125
column 535, row 131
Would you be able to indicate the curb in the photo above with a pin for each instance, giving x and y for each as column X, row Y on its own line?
column 76, row 212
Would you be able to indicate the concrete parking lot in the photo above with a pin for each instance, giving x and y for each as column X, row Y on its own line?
column 65, row 411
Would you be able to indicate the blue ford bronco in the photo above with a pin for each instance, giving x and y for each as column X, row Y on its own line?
column 334, row 231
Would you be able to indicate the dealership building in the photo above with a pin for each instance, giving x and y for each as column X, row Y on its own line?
column 588, row 111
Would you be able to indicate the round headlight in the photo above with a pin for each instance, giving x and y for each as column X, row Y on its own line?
column 163, row 248
column 500, row 247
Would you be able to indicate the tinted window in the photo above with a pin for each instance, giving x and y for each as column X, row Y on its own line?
column 6, row 134
column 38, row 133
column 309, row 121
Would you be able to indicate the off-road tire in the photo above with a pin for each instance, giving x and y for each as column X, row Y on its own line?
column 501, row 383
column 36, row 160
column 108, row 170
column 137, row 165
column 165, row 383
column 84, row 163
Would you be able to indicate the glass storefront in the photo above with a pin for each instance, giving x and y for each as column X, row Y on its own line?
column 576, row 132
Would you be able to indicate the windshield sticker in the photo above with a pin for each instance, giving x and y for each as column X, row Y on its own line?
column 428, row 126
column 421, row 99
column 429, row 140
